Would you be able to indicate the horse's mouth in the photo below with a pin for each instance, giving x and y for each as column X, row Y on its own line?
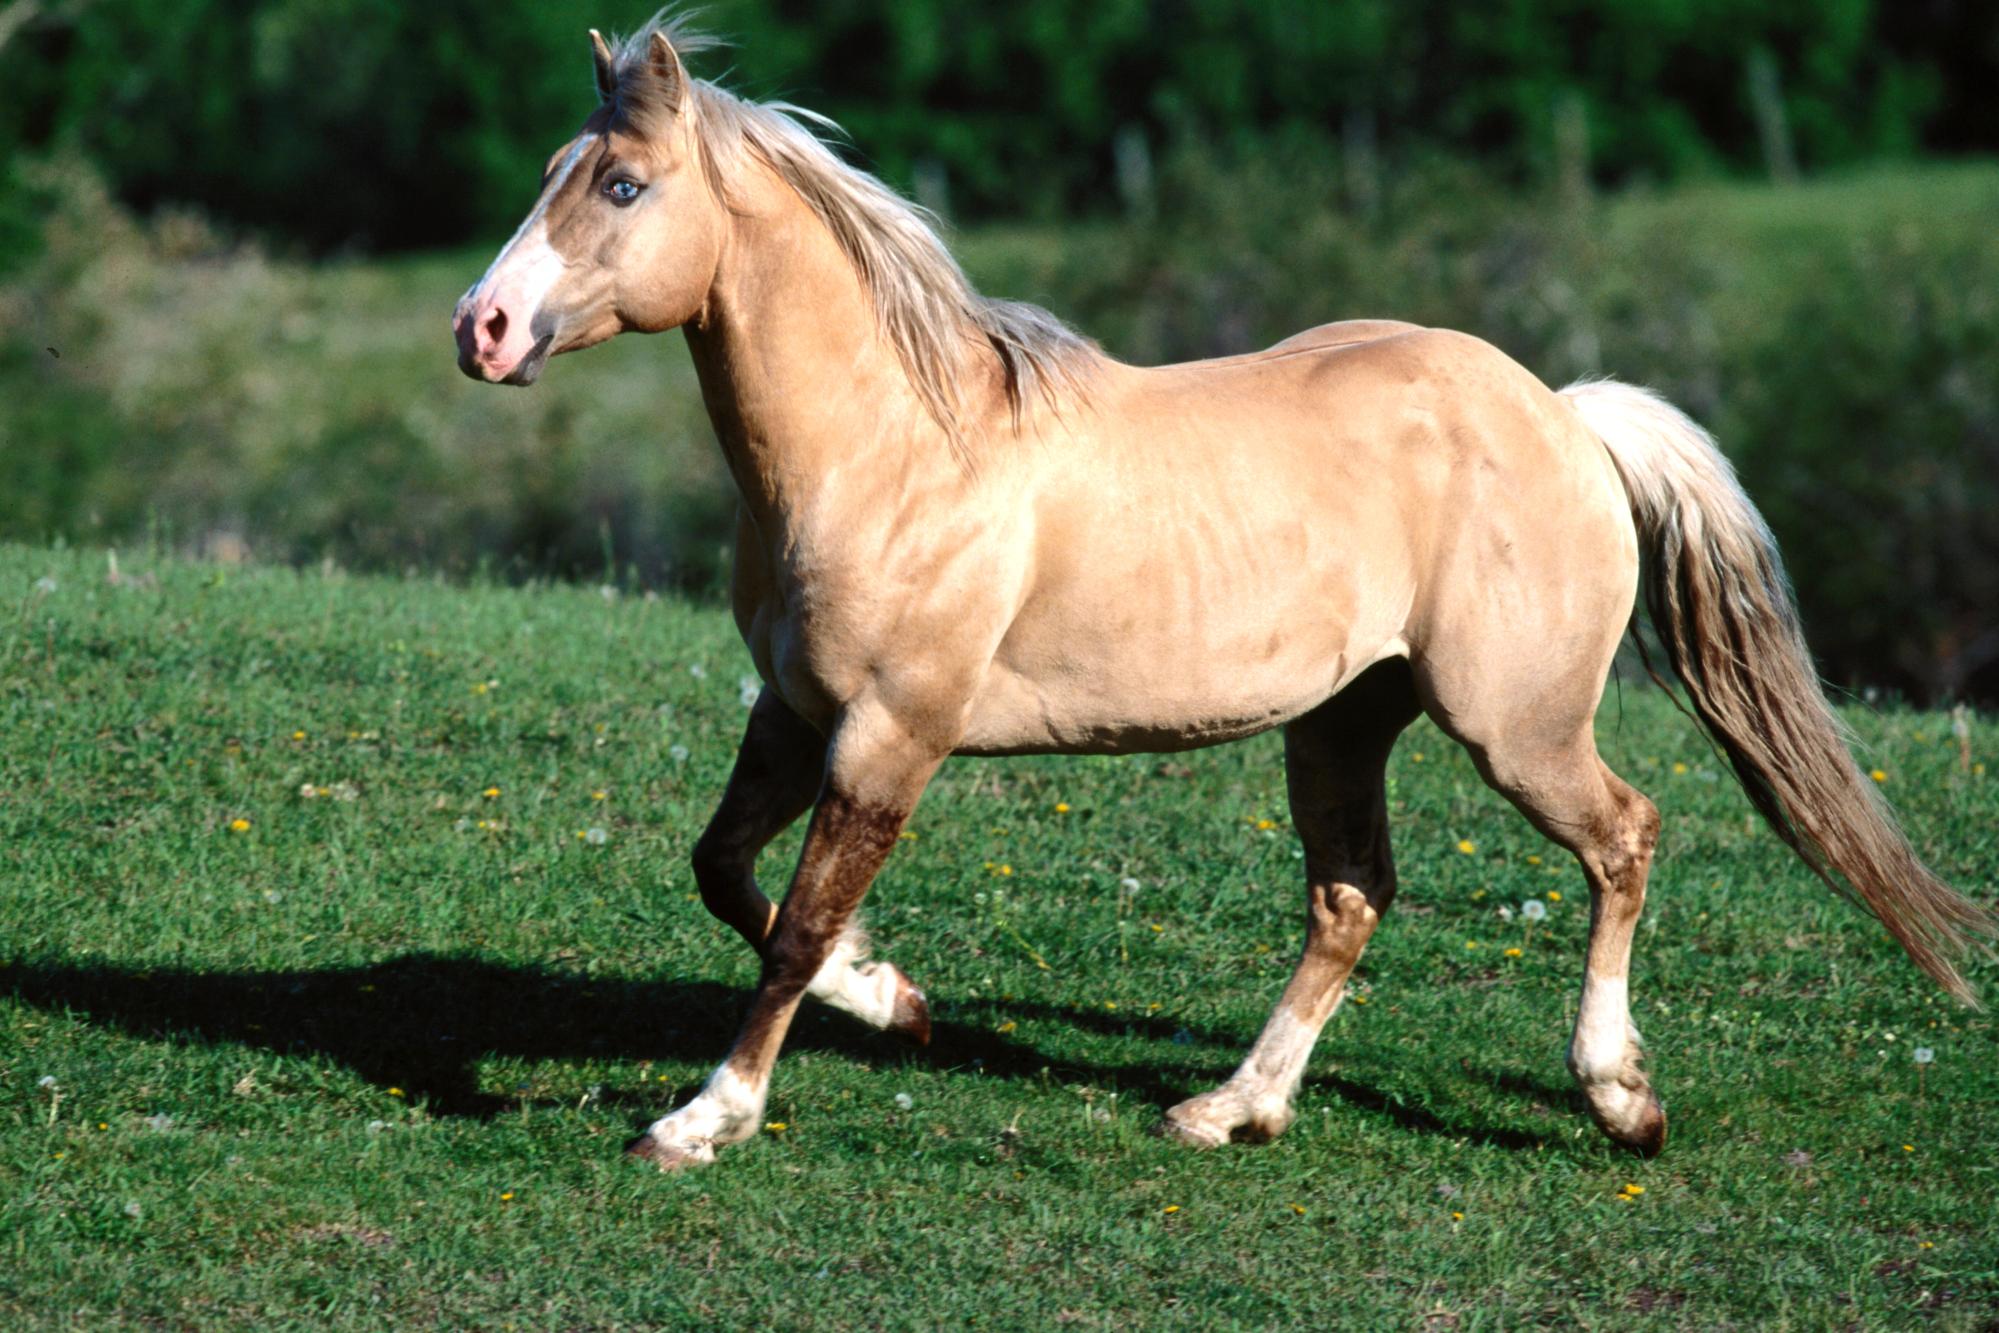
column 530, row 366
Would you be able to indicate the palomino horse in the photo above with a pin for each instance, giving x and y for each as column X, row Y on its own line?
column 965, row 530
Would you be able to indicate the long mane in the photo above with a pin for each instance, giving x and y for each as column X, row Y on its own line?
column 927, row 307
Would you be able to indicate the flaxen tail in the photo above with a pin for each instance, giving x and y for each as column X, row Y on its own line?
column 1720, row 601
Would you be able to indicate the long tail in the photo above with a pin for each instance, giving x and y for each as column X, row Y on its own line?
column 1720, row 601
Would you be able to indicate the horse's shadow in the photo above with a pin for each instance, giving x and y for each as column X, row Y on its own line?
column 423, row 1022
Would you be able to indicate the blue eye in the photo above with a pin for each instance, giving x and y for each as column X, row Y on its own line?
column 623, row 191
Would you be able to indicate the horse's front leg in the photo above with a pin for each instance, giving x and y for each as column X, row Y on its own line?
column 875, row 774
column 779, row 771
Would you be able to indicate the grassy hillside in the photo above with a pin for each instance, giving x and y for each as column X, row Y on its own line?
column 348, row 934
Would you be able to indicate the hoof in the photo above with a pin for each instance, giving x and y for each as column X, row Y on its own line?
column 1224, row 1116
column 671, row 1156
column 911, row 1019
column 1189, row 1133
column 1643, row 1132
column 1648, row 1137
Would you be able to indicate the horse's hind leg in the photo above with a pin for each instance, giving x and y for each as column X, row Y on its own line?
column 1334, row 761
column 779, row 770
column 1551, row 771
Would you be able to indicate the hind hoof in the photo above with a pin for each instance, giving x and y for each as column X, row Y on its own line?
column 1643, row 1131
column 911, row 1019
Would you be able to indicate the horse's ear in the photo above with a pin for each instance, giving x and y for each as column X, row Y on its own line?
column 607, row 70
column 669, row 77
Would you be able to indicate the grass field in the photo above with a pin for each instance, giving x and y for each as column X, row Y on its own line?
column 348, row 935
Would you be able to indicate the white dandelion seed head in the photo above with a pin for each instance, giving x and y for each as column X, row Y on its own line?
column 749, row 695
column 377, row 1126
column 45, row 585
column 596, row 837
column 678, row 753
column 1129, row 884
column 134, row 1210
column 904, row 1102
column 698, row 671
column 160, row 1122
column 1533, row 909
column 1924, row 1055
column 46, row 1081
column 1505, row 913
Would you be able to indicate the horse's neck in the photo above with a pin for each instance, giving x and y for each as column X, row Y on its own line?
column 797, row 375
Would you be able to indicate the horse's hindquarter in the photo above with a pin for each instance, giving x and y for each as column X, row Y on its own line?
column 1236, row 541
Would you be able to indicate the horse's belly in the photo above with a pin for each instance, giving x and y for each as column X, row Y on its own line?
column 1110, row 697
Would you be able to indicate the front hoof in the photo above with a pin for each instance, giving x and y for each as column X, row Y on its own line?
column 1190, row 1134
column 911, row 1018
column 671, row 1156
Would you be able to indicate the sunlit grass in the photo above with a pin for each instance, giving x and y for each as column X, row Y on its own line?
column 323, row 1014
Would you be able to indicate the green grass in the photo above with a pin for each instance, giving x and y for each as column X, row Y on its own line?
column 369, row 1062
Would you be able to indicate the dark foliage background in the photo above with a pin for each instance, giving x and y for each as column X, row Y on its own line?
column 378, row 124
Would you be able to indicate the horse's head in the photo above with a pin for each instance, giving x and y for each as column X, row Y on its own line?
column 626, row 233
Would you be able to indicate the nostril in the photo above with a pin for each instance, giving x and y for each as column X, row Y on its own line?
column 495, row 327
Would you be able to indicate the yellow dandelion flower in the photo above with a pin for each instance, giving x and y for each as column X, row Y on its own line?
column 1007, row 1026
column 1158, row 929
column 478, row 687
column 1622, row 1198
column 491, row 793
column 1006, row 870
column 599, row 795
column 1878, row 775
column 1154, row 1007
column 1170, row 1208
column 1457, row 1217
column 1471, row 944
column 1679, row 767
column 1513, row 952
column 239, row 825
column 906, row 836
column 1554, row 895
column 1467, row 846
column 1634, row 1190
column 1417, row 757
column 775, row 1127
column 1908, row 1147
column 1061, row 807
column 1298, row 1208
column 508, row 1195
column 1533, row 860
column 395, row 1092
column 1265, row 825
column 1926, row 1245
column 102, row 1125
column 298, row 735
column 1110, row 1004
column 1477, row 894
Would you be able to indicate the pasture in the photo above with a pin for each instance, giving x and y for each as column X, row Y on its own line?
column 348, row 935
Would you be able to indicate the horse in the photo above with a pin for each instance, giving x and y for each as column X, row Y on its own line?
column 965, row 529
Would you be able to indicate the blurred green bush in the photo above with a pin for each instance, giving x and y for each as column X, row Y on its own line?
column 1842, row 338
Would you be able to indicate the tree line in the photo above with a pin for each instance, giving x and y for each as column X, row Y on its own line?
column 375, row 125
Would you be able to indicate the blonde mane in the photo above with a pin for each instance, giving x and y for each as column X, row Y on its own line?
column 928, row 308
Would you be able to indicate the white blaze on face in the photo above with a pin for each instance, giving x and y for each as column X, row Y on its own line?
column 526, row 268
